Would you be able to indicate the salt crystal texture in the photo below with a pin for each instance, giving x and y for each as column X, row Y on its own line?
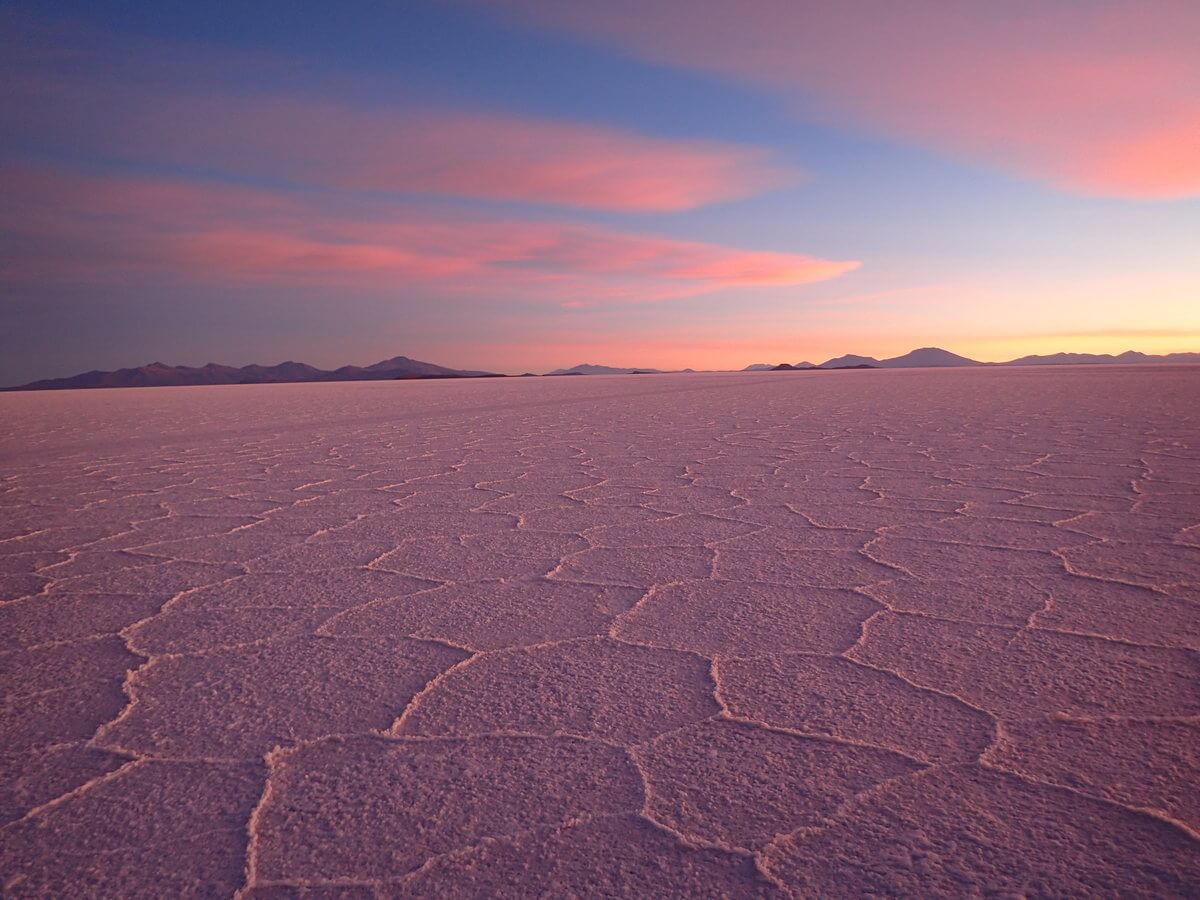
column 918, row 632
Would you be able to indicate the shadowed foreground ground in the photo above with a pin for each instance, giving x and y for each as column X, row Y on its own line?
column 927, row 632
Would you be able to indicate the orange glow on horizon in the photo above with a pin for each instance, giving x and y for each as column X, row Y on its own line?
column 733, row 355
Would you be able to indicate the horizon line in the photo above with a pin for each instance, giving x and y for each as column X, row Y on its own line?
column 448, row 372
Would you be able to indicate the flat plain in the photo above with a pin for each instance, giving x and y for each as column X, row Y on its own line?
column 789, row 634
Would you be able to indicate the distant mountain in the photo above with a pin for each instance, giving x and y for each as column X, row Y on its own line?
column 285, row 371
column 927, row 358
column 1129, row 357
column 158, row 374
column 843, row 362
column 592, row 369
column 399, row 367
column 935, row 357
column 808, row 367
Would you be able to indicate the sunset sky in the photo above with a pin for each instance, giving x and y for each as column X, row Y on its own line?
column 525, row 184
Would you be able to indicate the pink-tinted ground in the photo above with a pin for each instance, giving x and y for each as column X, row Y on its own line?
column 922, row 632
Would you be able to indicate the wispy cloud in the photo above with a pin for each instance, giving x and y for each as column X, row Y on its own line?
column 1097, row 98
column 337, row 139
column 69, row 227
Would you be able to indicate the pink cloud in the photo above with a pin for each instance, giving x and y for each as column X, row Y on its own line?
column 121, row 229
column 552, row 162
column 1099, row 98
column 450, row 153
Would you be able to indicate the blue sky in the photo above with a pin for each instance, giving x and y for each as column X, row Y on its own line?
column 511, row 186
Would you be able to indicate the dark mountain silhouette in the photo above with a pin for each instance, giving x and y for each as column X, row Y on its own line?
column 788, row 367
column 842, row 362
column 927, row 358
column 157, row 374
column 1129, row 357
column 285, row 371
column 935, row 357
column 398, row 367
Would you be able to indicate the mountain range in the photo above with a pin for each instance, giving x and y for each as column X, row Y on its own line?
column 935, row 357
column 158, row 374
column 593, row 369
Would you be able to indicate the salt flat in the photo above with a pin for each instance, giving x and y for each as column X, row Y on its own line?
column 810, row 634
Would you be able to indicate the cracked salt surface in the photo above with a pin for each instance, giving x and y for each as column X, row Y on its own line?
column 902, row 632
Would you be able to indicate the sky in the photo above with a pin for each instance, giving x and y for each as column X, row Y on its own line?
column 521, row 185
